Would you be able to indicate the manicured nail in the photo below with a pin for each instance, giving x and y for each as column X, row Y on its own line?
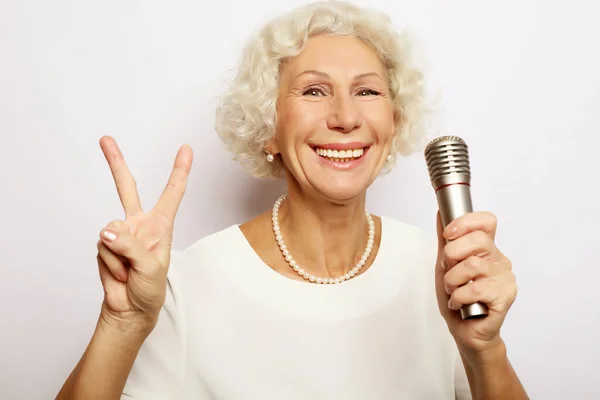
column 447, row 289
column 450, row 305
column 451, row 231
column 108, row 235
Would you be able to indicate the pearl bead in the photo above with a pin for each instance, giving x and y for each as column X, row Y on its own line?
column 312, row 278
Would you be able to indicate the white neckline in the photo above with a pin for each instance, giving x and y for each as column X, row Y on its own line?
column 350, row 299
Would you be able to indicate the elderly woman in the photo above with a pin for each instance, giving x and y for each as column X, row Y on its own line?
column 316, row 298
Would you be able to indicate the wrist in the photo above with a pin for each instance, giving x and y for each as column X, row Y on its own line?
column 490, row 373
column 134, row 326
column 492, row 354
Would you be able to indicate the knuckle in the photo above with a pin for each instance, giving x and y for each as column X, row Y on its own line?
column 492, row 218
column 481, row 239
column 475, row 288
column 125, row 183
column 177, row 188
column 115, row 225
column 475, row 264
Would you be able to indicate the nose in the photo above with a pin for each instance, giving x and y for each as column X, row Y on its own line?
column 344, row 115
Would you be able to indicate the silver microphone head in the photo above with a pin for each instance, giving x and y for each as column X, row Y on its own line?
column 447, row 159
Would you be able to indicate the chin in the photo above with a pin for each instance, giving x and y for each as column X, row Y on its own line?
column 341, row 195
column 340, row 189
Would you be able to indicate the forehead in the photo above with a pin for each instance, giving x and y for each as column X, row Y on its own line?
column 347, row 55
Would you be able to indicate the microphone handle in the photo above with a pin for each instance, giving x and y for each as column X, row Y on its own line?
column 455, row 200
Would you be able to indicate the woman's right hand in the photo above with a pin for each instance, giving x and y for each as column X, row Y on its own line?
column 134, row 254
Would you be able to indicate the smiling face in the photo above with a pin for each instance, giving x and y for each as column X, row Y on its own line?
column 335, row 117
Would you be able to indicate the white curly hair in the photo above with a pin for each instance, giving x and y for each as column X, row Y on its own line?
column 246, row 116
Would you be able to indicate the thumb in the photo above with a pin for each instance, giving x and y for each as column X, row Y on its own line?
column 118, row 238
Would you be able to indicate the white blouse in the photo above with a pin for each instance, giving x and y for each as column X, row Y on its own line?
column 232, row 328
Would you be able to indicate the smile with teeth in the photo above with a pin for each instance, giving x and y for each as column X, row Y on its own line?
column 339, row 155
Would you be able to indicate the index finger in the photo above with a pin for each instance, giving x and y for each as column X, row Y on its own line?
column 124, row 181
column 474, row 221
column 170, row 199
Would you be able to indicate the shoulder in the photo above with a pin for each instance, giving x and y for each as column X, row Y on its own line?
column 214, row 243
column 399, row 227
column 403, row 233
column 205, row 254
column 412, row 248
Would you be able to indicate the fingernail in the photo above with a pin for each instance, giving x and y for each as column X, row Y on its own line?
column 451, row 231
column 450, row 303
column 447, row 289
column 443, row 264
column 108, row 235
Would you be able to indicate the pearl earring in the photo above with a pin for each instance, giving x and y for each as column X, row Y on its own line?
column 270, row 157
column 390, row 158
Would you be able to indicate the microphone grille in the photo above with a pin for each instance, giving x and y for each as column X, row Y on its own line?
column 447, row 159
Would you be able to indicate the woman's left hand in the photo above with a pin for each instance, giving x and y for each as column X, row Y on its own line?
column 469, row 269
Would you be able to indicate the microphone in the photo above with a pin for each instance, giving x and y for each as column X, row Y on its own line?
column 447, row 159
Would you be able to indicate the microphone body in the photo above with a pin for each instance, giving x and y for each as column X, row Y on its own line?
column 447, row 159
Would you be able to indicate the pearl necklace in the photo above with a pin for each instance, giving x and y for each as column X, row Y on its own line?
column 300, row 271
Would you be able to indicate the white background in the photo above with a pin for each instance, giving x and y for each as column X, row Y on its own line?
column 519, row 81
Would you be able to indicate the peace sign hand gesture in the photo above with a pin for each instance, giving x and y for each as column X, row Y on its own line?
column 134, row 254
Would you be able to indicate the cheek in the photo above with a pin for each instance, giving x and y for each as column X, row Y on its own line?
column 381, row 121
column 300, row 120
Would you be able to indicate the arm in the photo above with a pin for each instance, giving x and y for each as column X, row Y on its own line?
column 491, row 377
column 104, row 367
column 133, row 259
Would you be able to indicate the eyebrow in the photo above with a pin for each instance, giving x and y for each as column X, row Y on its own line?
column 325, row 75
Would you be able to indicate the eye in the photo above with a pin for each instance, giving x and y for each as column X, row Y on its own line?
column 368, row 92
column 313, row 91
